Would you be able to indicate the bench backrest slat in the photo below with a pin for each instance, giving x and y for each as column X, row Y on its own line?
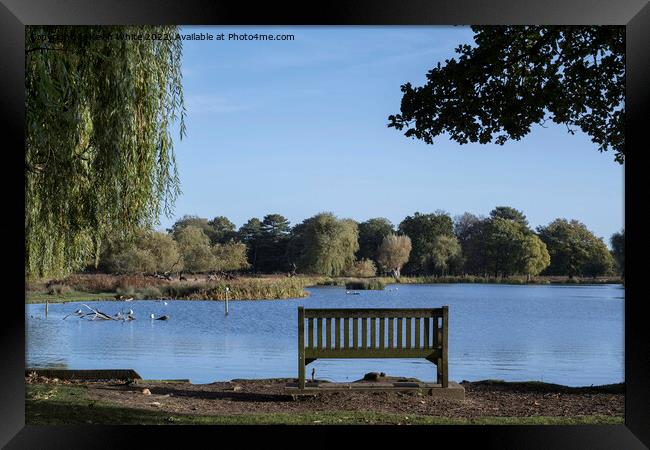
column 381, row 329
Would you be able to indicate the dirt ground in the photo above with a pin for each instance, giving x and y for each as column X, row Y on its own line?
column 483, row 398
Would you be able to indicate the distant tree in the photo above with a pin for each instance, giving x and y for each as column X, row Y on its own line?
column 325, row 245
column 600, row 260
column 131, row 260
column 393, row 253
column 275, row 225
column 444, row 251
column 371, row 234
column 506, row 212
column 230, row 256
column 190, row 220
column 423, row 229
column 194, row 245
column 296, row 243
column 470, row 232
column 251, row 234
column 221, row 230
column 272, row 243
column 518, row 76
column 164, row 250
column 618, row 251
column 534, row 257
column 504, row 239
column 574, row 249
column 463, row 225
column 146, row 252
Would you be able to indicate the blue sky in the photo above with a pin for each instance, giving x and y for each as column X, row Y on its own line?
column 299, row 127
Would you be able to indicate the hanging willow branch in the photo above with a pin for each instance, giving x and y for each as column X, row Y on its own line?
column 99, row 152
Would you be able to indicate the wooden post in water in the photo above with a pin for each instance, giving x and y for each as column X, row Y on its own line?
column 47, row 304
column 227, row 289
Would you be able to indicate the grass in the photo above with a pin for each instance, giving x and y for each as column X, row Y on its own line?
column 72, row 296
column 84, row 288
column 69, row 404
column 507, row 280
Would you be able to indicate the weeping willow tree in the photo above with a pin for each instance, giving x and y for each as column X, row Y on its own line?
column 328, row 244
column 101, row 106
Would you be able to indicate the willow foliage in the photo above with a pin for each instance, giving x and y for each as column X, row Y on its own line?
column 328, row 244
column 100, row 108
column 394, row 252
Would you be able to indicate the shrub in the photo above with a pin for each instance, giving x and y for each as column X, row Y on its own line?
column 150, row 293
column 59, row 289
column 362, row 269
column 126, row 291
column 372, row 284
column 108, row 282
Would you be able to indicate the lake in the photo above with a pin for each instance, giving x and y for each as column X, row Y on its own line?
column 565, row 334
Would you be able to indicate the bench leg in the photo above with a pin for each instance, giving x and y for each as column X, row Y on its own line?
column 301, row 348
column 445, row 376
column 445, row 346
column 301, row 373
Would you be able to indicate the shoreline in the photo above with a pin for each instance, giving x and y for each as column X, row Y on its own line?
column 96, row 287
column 264, row 401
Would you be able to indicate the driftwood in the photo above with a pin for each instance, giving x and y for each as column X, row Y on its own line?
column 95, row 314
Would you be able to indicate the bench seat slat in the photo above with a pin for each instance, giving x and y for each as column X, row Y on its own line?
column 370, row 353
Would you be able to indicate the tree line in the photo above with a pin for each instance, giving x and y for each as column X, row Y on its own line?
column 501, row 244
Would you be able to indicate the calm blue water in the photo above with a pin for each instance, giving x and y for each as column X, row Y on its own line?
column 572, row 335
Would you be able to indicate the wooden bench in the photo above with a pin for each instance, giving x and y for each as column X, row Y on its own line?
column 370, row 333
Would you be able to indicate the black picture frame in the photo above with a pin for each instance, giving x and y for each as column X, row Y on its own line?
column 15, row 14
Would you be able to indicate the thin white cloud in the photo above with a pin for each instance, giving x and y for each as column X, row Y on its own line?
column 212, row 104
